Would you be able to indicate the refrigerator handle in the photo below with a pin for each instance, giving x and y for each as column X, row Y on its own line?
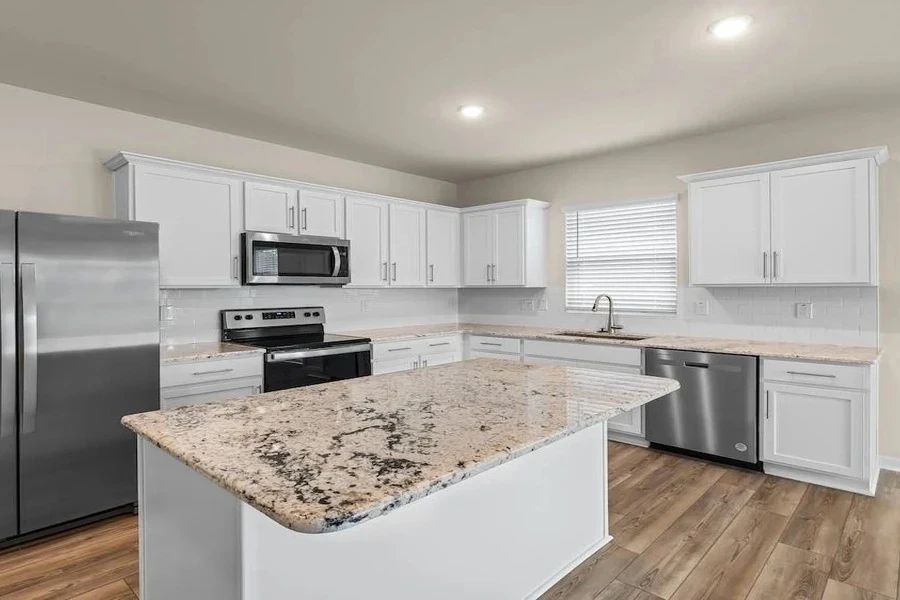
column 7, row 350
column 28, row 349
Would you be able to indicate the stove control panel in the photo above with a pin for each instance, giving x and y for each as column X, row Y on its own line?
column 272, row 317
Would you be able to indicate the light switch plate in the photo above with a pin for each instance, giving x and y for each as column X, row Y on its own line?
column 527, row 305
column 804, row 310
column 700, row 308
column 166, row 313
column 543, row 305
column 365, row 305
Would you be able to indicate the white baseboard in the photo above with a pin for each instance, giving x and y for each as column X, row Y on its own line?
column 889, row 463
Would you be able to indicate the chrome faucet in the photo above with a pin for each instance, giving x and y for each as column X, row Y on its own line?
column 610, row 321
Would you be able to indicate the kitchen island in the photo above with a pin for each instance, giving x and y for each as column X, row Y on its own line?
column 480, row 479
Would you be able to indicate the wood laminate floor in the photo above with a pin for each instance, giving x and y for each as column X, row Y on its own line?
column 683, row 529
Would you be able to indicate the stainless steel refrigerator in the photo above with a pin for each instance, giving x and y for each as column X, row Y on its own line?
column 79, row 348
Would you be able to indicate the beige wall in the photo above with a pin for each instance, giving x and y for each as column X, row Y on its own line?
column 52, row 151
column 651, row 170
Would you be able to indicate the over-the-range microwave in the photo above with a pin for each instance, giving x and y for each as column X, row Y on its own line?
column 279, row 259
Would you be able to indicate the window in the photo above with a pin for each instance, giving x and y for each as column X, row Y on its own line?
column 627, row 251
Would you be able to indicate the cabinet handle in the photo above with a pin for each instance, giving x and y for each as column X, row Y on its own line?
column 827, row 375
column 303, row 217
column 259, row 389
column 384, row 267
column 415, row 364
column 431, row 275
column 199, row 373
column 424, row 363
column 490, row 344
column 487, row 273
column 493, row 273
column 235, row 271
column 394, row 271
column 765, row 265
column 767, row 405
column 439, row 344
column 292, row 217
column 774, row 265
column 399, row 349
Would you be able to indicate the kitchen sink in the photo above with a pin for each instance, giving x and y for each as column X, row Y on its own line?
column 601, row 335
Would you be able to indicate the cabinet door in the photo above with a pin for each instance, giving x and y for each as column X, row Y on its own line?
column 270, row 208
column 321, row 213
column 821, row 224
column 199, row 220
column 729, row 231
column 509, row 246
column 407, row 243
column 478, row 247
column 813, row 428
column 367, row 230
column 209, row 392
column 439, row 358
column 442, row 235
column 396, row 365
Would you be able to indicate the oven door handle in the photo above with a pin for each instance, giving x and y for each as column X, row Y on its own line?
column 337, row 261
column 288, row 355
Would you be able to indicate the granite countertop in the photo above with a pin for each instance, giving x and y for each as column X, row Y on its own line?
column 204, row 351
column 787, row 350
column 326, row 457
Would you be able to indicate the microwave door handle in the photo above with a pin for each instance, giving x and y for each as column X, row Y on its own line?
column 337, row 261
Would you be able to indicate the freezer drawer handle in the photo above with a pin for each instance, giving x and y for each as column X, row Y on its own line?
column 199, row 373
column 7, row 350
column 28, row 382
column 696, row 365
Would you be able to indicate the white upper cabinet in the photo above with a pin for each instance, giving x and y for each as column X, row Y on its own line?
column 321, row 213
column 407, row 245
column 270, row 208
column 442, row 248
column 505, row 245
column 729, row 222
column 199, row 218
column 810, row 221
column 821, row 224
column 367, row 230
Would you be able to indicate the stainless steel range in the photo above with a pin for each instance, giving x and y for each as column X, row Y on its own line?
column 298, row 351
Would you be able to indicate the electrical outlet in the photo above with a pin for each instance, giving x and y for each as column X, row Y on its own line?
column 365, row 305
column 804, row 310
column 700, row 308
column 527, row 305
column 543, row 305
column 166, row 313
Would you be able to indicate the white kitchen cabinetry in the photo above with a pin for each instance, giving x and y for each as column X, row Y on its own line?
column 199, row 216
column 407, row 245
column 213, row 380
column 392, row 357
column 442, row 252
column 627, row 427
column 819, row 423
column 505, row 245
column 367, row 230
column 810, row 221
column 270, row 208
column 321, row 213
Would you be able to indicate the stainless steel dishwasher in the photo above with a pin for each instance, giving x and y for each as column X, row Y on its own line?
column 714, row 412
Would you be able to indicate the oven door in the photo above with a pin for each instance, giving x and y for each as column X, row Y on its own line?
column 271, row 258
column 290, row 369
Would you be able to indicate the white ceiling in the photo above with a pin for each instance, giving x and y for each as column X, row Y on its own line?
column 379, row 81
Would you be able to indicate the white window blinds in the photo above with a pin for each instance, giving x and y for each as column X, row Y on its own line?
column 627, row 251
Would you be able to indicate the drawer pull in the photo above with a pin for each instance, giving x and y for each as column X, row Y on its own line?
column 811, row 374
column 399, row 349
column 490, row 343
column 199, row 373
column 440, row 344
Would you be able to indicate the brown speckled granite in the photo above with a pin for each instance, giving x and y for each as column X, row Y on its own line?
column 204, row 351
column 326, row 457
column 786, row 350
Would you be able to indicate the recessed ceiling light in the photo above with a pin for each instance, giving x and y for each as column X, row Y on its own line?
column 731, row 27
column 471, row 111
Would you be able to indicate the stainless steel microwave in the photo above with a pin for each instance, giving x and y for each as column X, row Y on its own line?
column 277, row 259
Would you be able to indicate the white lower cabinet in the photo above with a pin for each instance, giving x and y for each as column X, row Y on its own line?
column 627, row 427
column 393, row 357
column 214, row 380
column 818, row 423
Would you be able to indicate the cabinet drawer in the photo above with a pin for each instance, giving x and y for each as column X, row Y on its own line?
column 824, row 374
column 440, row 345
column 210, row 370
column 210, row 392
column 494, row 344
column 587, row 352
column 392, row 350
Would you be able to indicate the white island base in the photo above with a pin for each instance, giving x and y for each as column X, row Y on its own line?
column 509, row 532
